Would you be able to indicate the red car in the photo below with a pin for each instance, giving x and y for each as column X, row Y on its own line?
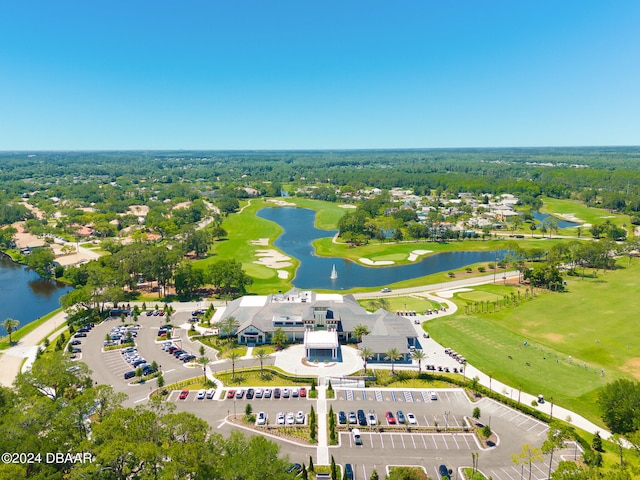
column 303, row 392
column 391, row 420
column 231, row 393
column 184, row 394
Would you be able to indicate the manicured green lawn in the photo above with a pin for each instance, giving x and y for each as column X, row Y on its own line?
column 21, row 332
column 581, row 211
column 593, row 323
column 415, row 303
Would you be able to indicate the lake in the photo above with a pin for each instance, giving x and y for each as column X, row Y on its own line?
column 561, row 223
column 314, row 272
column 24, row 295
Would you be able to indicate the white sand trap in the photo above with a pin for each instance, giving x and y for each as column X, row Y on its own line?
column 272, row 259
column 283, row 274
column 262, row 242
column 347, row 206
column 450, row 293
column 281, row 203
column 366, row 261
column 413, row 256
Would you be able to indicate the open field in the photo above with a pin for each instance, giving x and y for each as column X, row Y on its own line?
column 593, row 323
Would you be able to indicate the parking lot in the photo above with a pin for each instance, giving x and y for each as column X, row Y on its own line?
column 395, row 445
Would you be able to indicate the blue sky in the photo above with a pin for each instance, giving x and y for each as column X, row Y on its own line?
column 299, row 74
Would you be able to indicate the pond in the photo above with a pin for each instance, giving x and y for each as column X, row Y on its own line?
column 314, row 272
column 561, row 223
column 25, row 296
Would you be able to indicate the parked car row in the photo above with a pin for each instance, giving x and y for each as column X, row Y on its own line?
column 370, row 419
column 164, row 329
column 277, row 392
column 177, row 352
column 290, row 418
column 155, row 313
column 121, row 334
column 133, row 358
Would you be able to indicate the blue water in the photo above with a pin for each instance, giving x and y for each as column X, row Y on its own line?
column 24, row 296
column 313, row 272
column 561, row 223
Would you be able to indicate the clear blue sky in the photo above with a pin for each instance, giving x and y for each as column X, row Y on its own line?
column 306, row 74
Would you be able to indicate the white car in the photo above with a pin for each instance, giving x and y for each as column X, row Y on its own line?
column 261, row 419
column 258, row 393
column 201, row 395
column 267, row 393
column 433, row 395
column 300, row 417
column 372, row 420
column 295, row 392
column 290, row 418
column 280, row 420
column 411, row 418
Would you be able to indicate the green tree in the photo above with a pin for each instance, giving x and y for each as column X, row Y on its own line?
column 279, row 338
column 261, row 354
column 359, row 331
column 312, row 425
column 555, row 441
column 10, row 326
column 393, row 355
column 233, row 356
column 365, row 353
column 41, row 260
column 476, row 413
column 228, row 327
column 374, row 475
column 528, row 456
column 619, row 403
column 419, row 356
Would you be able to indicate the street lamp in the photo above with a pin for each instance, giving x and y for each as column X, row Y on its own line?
column 551, row 411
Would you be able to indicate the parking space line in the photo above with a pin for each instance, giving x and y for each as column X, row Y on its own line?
column 350, row 395
column 435, row 444
column 425, row 442
column 379, row 396
column 393, row 444
column 526, row 419
column 455, row 420
column 403, row 445
column 381, row 441
column 466, row 441
column 544, row 472
column 364, row 394
column 425, row 420
column 455, row 440
column 444, row 439
column 413, row 440
column 393, row 395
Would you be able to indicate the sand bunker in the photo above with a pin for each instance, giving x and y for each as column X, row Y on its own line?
column 450, row 293
column 281, row 203
column 413, row 256
column 366, row 261
column 283, row 274
column 263, row 242
column 272, row 259
column 347, row 206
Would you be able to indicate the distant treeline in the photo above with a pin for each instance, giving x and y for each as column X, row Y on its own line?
column 608, row 177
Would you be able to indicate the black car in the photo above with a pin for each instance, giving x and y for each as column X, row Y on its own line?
column 250, row 393
column 76, row 342
column 148, row 370
column 362, row 418
column 342, row 418
column 80, row 335
column 348, row 471
column 130, row 374
column 177, row 353
column 445, row 473
column 295, row 468
column 188, row 358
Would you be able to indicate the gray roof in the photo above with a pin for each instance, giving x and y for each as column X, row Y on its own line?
column 382, row 343
column 259, row 312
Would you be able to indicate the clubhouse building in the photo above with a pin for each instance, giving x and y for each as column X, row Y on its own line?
column 321, row 322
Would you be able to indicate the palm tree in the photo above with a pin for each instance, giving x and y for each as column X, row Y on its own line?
column 392, row 354
column 228, row 327
column 419, row 355
column 360, row 330
column 203, row 361
column 383, row 303
column 366, row 353
column 279, row 338
column 233, row 356
column 261, row 354
column 10, row 325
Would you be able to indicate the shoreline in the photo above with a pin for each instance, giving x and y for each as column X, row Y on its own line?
column 12, row 358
